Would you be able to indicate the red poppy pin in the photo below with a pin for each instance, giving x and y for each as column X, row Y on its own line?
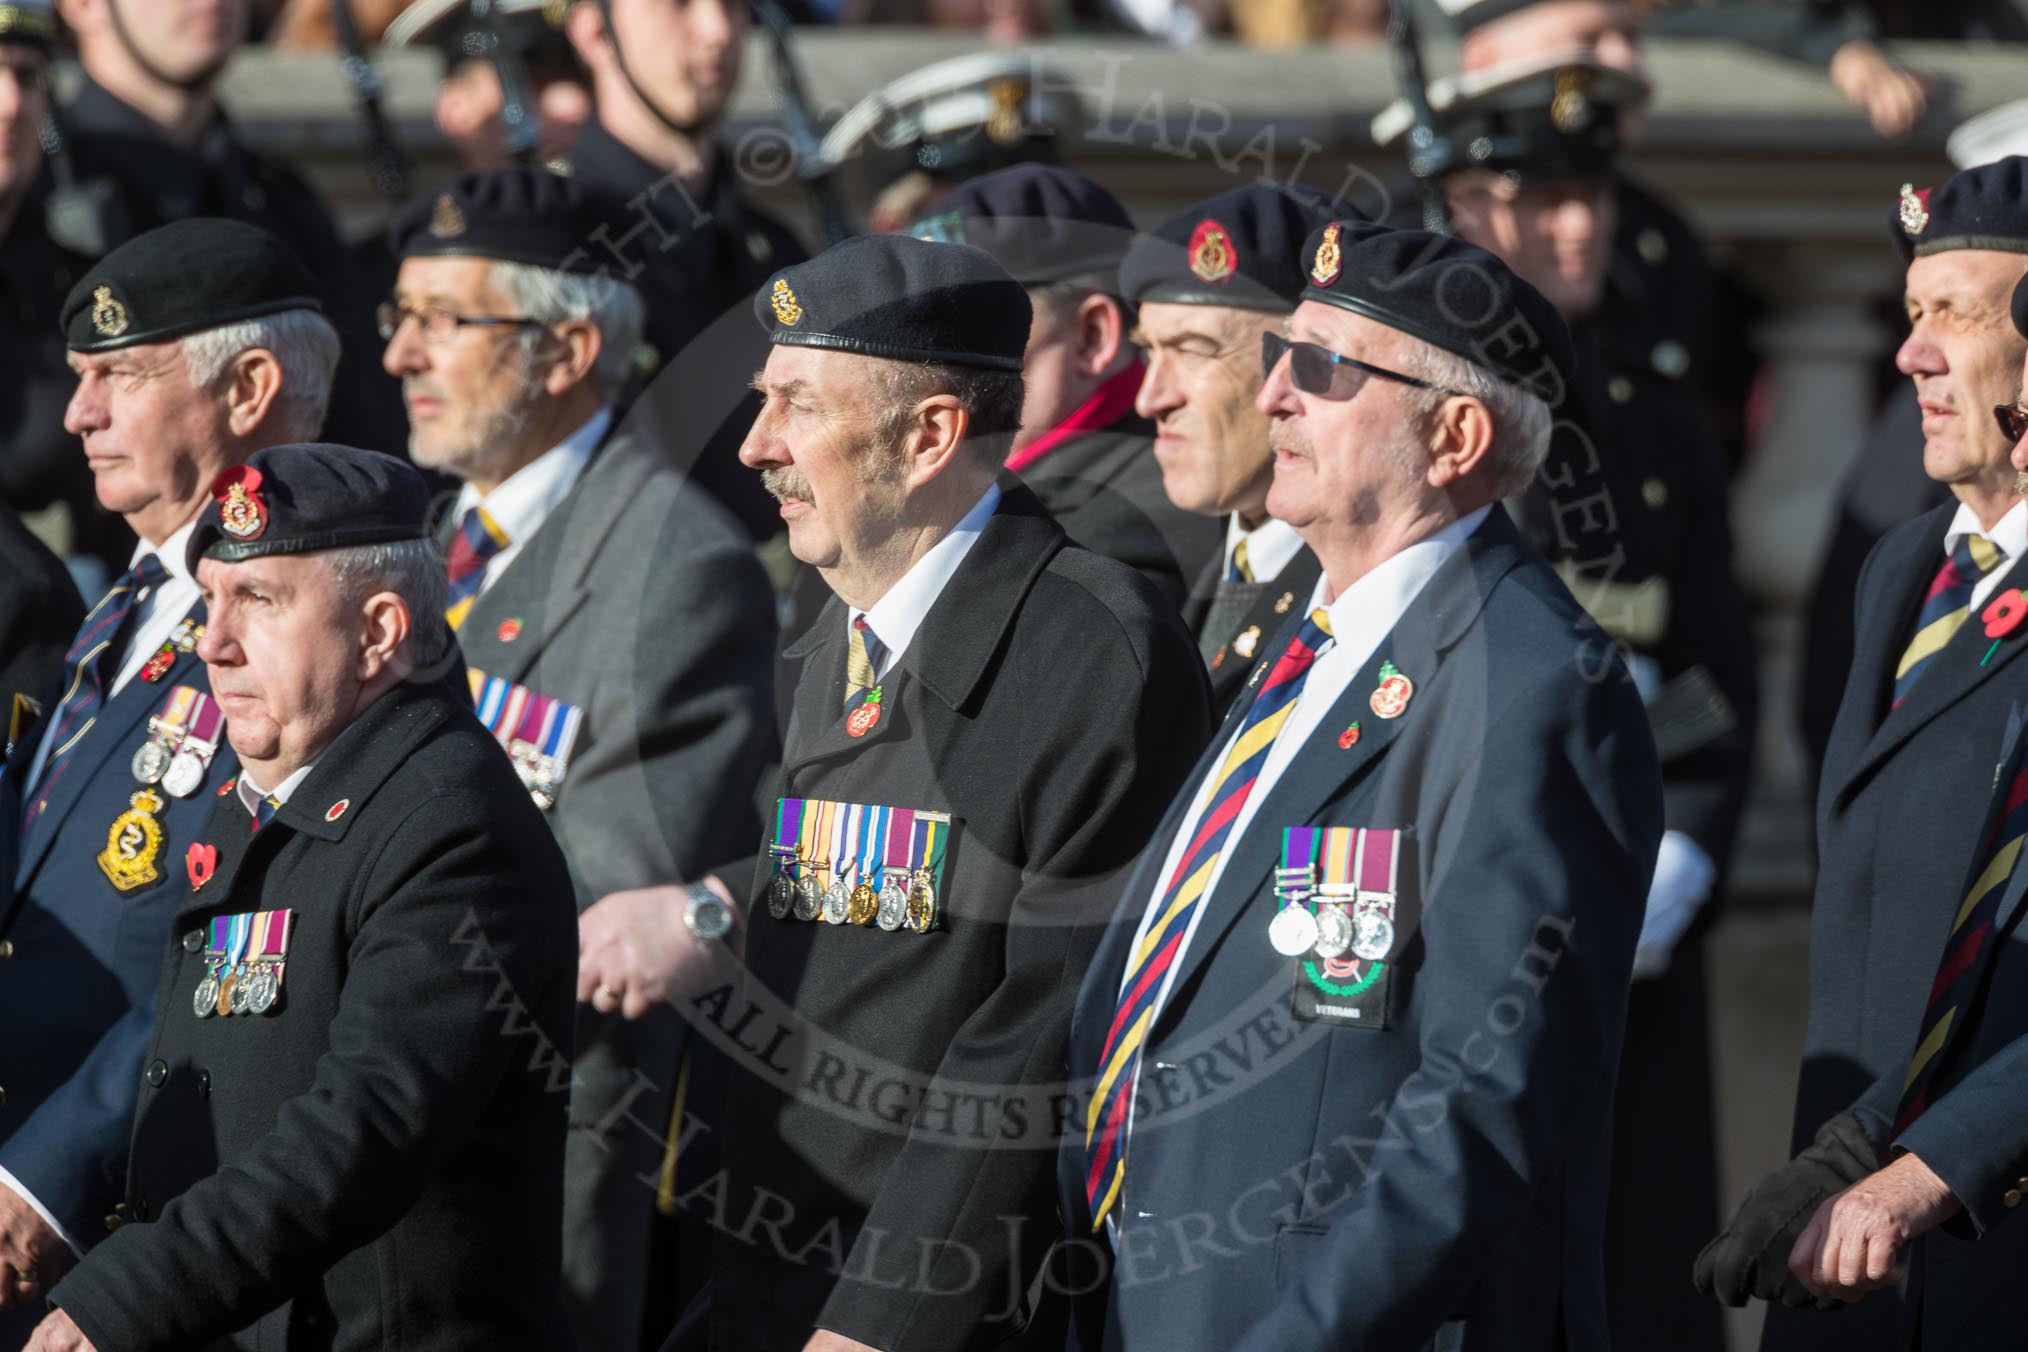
column 2002, row 617
column 337, row 809
column 508, row 631
column 202, row 861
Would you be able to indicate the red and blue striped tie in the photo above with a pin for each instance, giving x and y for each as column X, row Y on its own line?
column 1945, row 607
column 478, row 539
column 1958, row 974
column 1105, row 1133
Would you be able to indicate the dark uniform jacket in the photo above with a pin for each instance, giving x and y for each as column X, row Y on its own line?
column 1050, row 704
column 1232, row 620
column 1964, row 1275
column 376, row 1162
column 697, row 259
column 1439, row 1181
column 1105, row 489
column 77, row 989
column 39, row 614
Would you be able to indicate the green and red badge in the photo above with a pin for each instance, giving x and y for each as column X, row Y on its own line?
column 861, row 720
column 2003, row 617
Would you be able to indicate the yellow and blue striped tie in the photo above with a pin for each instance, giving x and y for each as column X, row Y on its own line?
column 1945, row 607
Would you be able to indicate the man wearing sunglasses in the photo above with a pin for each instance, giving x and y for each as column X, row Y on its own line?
column 1346, row 1054
column 1911, row 753
column 621, row 638
column 1206, row 285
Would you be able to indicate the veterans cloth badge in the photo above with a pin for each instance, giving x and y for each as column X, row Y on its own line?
column 1340, row 917
column 537, row 730
column 245, row 962
column 858, row 864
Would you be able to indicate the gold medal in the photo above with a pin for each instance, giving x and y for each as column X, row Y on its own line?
column 133, row 844
column 227, row 984
column 922, row 902
column 863, row 906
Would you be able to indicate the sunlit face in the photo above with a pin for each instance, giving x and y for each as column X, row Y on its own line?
column 1598, row 30
column 470, row 398
column 1556, row 235
column 1965, row 356
column 283, row 651
column 815, row 444
column 1202, row 379
column 187, row 41
column 684, row 53
column 24, row 99
column 150, row 436
column 1351, row 458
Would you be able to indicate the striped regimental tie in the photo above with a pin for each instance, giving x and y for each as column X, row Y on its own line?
column 1105, row 1134
column 478, row 539
column 264, row 812
column 864, row 652
column 1971, row 931
column 1241, row 568
column 1946, row 606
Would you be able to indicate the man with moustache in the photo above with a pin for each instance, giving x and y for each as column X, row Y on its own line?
column 1082, row 447
column 1405, row 884
column 600, row 600
column 1206, row 284
column 1909, row 770
column 950, row 817
column 194, row 346
column 662, row 75
column 351, row 1127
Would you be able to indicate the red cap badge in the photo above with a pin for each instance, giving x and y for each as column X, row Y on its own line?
column 240, row 510
column 1212, row 256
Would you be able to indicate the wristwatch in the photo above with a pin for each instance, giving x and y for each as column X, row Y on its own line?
column 704, row 914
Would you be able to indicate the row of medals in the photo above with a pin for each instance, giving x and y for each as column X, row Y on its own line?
column 1362, row 927
column 903, row 900
column 181, row 772
column 238, row 991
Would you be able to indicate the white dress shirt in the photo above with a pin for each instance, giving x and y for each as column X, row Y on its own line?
column 1269, row 547
column 895, row 617
column 251, row 794
column 521, row 503
column 2009, row 535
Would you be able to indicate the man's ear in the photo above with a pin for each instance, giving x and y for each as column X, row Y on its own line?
column 382, row 635
column 252, row 385
column 1101, row 333
column 933, row 438
column 1461, row 440
column 575, row 345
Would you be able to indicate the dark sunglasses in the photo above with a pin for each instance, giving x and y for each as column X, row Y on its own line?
column 1312, row 368
column 2013, row 419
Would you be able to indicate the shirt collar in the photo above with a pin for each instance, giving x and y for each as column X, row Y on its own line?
column 173, row 552
column 1376, row 602
column 895, row 617
column 1269, row 546
column 250, row 794
column 2009, row 534
column 520, row 505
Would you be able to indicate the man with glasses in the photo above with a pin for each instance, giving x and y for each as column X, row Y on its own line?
column 1207, row 285
column 1345, row 1058
column 620, row 633
column 1910, row 764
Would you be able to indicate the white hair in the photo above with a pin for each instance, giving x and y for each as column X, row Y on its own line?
column 412, row 570
column 551, row 296
column 1521, row 420
column 304, row 345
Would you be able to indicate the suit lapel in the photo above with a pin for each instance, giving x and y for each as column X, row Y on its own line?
column 2017, row 881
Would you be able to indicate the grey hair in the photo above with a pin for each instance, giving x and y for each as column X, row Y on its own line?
column 991, row 398
column 412, row 570
column 304, row 345
column 1521, row 420
column 551, row 296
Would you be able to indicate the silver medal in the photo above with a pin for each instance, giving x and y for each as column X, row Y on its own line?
column 205, row 1002
column 809, row 896
column 1334, row 931
column 150, row 762
column 837, row 901
column 264, row 988
column 185, row 774
column 781, row 894
column 893, row 905
column 1372, row 936
column 242, row 991
column 1293, row 931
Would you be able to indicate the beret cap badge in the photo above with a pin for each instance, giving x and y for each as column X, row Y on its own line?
column 1571, row 111
column 786, row 308
column 1005, row 127
column 1211, row 254
column 1324, row 266
column 447, row 221
column 109, row 317
column 241, row 513
column 1914, row 209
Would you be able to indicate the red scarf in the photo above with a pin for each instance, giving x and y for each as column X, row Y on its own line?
column 1113, row 401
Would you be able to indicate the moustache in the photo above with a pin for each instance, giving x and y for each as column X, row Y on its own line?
column 788, row 485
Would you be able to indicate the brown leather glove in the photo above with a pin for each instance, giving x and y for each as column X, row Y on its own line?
column 1750, row 1257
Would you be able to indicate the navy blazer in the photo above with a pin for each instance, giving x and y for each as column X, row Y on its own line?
column 77, row 996
column 1440, row 1181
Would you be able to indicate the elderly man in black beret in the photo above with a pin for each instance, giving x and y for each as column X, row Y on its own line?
column 1911, row 754
column 194, row 346
column 1082, row 447
column 351, row 1124
column 604, row 600
column 987, row 721
column 1350, row 1042
column 1206, row 284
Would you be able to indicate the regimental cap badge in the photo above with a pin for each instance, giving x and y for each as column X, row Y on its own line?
column 1571, row 109
column 1324, row 267
column 447, row 221
column 1212, row 257
column 1005, row 124
column 1914, row 209
column 241, row 513
column 109, row 317
column 784, row 301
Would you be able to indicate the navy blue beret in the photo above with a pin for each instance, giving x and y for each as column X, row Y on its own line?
column 901, row 298
column 1446, row 292
column 306, row 497
column 2021, row 307
column 518, row 215
column 180, row 278
column 1242, row 248
column 1984, row 207
column 1043, row 222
